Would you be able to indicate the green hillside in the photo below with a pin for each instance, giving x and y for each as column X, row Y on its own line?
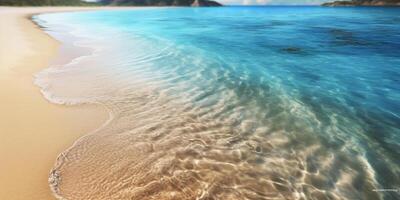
column 160, row 2
column 44, row 3
column 364, row 3
column 109, row 2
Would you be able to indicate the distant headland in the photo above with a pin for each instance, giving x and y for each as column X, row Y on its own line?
column 364, row 3
column 193, row 3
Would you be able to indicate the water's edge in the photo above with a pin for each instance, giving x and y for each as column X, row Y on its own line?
column 190, row 120
column 54, row 175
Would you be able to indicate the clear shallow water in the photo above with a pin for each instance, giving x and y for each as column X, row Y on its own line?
column 231, row 103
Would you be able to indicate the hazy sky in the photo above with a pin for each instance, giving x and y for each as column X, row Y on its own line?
column 263, row 2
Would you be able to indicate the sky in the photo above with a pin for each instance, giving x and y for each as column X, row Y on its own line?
column 273, row 2
column 267, row 2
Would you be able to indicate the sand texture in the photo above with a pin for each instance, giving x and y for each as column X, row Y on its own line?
column 32, row 130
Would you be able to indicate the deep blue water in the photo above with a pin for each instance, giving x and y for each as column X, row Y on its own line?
column 321, row 78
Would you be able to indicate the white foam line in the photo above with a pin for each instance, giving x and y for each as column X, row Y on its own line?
column 54, row 177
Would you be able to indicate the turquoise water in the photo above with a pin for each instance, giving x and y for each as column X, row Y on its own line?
column 231, row 103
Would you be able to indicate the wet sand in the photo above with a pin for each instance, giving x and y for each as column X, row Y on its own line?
column 32, row 130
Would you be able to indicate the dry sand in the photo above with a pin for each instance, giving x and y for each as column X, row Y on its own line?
column 32, row 130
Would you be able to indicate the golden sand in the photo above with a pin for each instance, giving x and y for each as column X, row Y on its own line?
column 32, row 131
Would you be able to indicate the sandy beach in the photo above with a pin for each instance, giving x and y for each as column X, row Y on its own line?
column 32, row 130
column 239, row 102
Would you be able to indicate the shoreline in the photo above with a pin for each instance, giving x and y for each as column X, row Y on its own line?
column 35, row 132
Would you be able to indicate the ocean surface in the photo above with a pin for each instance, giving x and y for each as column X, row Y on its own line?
column 230, row 103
